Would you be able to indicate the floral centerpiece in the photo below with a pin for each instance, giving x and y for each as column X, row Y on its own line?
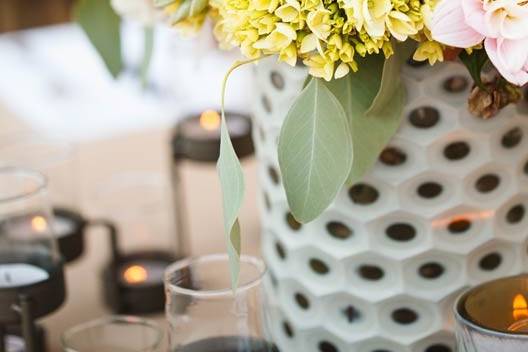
column 353, row 102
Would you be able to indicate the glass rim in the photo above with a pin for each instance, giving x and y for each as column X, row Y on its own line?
column 109, row 320
column 463, row 318
column 256, row 262
column 41, row 182
column 62, row 150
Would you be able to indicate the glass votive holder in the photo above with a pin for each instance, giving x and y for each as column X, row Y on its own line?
column 114, row 334
column 55, row 158
column 494, row 316
column 140, row 206
column 206, row 315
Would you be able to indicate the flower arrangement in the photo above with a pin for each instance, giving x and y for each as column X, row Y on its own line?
column 353, row 99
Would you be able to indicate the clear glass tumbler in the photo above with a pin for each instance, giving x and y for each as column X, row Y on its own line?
column 114, row 334
column 204, row 313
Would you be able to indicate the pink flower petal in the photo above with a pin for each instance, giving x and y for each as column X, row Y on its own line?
column 515, row 77
column 474, row 14
column 449, row 26
column 515, row 25
column 513, row 53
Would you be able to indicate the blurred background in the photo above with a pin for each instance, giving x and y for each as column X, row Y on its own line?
column 115, row 159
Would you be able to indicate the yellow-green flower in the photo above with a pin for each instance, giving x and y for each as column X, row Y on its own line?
column 400, row 25
column 429, row 50
column 290, row 11
column 265, row 5
column 325, row 34
column 370, row 15
column 320, row 67
column 319, row 23
column 278, row 39
column 289, row 55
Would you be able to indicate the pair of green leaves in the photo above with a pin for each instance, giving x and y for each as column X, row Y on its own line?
column 188, row 8
column 332, row 135
column 335, row 131
column 475, row 63
column 102, row 26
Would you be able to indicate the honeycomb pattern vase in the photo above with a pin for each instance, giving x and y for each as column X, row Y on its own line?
column 445, row 207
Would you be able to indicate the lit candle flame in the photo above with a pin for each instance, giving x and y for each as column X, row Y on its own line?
column 210, row 120
column 39, row 224
column 520, row 314
column 135, row 274
column 520, row 307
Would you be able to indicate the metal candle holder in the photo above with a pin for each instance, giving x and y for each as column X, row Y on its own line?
column 197, row 138
column 14, row 341
column 494, row 316
column 133, row 282
column 22, row 305
column 71, row 244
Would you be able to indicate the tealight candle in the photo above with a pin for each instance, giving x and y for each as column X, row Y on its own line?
column 66, row 226
column 198, row 136
column 133, row 282
column 494, row 317
column 143, row 272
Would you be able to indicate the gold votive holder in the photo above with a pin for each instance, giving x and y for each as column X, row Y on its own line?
column 493, row 317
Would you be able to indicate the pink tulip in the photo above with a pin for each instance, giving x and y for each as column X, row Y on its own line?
column 501, row 24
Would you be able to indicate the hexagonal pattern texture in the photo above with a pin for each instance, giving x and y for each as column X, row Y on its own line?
column 445, row 207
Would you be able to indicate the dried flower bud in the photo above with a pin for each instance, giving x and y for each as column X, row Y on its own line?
column 497, row 95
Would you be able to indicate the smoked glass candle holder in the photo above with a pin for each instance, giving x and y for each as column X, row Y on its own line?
column 206, row 315
column 114, row 334
column 31, row 270
column 139, row 204
column 55, row 159
column 494, row 316
column 140, row 207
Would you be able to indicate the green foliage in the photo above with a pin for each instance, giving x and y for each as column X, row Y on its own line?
column 315, row 151
column 102, row 26
column 232, row 183
column 475, row 62
column 147, row 54
column 163, row 3
column 188, row 8
column 373, row 99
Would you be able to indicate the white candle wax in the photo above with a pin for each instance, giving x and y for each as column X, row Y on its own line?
column 62, row 226
column 16, row 275
column 15, row 344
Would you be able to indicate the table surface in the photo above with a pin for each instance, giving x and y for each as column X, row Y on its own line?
column 102, row 152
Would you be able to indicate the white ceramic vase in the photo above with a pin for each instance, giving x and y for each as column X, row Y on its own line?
column 444, row 208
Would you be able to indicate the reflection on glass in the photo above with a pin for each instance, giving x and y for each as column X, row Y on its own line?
column 204, row 313
column 114, row 334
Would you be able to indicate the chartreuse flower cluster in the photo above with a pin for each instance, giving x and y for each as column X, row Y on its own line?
column 329, row 36
column 187, row 16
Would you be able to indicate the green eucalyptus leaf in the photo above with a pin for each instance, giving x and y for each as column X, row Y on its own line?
column 163, row 3
column 370, row 133
column 188, row 8
column 147, row 54
column 315, row 151
column 232, row 183
column 390, row 78
column 475, row 62
column 102, row 26
column 307, row 80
